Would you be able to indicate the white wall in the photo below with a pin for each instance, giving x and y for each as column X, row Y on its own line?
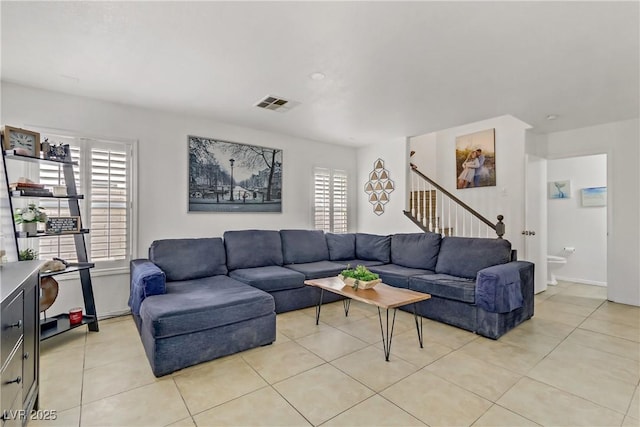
column 424, row 147
column 620, row 141
column 572, row 225
column 162, row 170
column 437, row 161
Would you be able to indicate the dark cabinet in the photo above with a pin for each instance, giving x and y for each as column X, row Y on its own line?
column 19, row 341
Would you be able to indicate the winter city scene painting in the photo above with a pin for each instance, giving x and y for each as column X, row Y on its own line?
column 232, row 177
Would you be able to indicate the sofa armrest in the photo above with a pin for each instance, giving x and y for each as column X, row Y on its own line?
column 146, row 279
column 499, row 288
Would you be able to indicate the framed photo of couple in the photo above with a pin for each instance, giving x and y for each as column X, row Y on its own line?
column 476, row 159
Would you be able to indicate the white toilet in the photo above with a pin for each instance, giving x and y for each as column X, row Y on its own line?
column 553, row 262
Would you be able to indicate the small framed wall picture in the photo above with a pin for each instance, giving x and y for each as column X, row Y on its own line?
column 24, row 142
column 560, row 189
column 594, row 196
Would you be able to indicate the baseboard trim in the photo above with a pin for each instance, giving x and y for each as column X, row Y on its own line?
column 106, row 316
column 583, row 281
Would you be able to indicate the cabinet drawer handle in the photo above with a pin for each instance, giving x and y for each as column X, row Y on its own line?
column 26, row 356
column 17, row 380
column 18, row 324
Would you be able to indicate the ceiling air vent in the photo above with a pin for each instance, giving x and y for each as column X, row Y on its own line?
column 275, row 103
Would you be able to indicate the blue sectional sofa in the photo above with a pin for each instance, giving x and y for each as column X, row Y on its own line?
column 195, row 300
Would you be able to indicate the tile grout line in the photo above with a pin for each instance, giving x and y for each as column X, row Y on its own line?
column 565, row 391
column 275, row 390
column 84, row 363
column 184, row 402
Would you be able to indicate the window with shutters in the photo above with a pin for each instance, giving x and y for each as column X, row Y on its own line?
column 330, row 200
column 103, row 176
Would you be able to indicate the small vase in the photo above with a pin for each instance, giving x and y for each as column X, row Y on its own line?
column 30, row 227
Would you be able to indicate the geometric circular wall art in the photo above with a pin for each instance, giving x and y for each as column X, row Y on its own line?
column 379, row 187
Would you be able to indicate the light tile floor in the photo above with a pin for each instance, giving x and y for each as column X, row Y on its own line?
column 577, row 362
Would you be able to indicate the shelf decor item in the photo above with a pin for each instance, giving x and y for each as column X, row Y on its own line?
column 27, row 254
column 359, row 277
column 24, row 142
column 75, row 316
column 29, row 217
column 48, row 292
column 62, row 224
column 56, row 152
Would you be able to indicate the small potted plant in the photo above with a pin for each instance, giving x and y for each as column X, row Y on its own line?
column 359, row 277
column 27, row 254
column 29, row 217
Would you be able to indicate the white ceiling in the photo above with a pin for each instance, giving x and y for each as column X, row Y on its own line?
column 393, row 69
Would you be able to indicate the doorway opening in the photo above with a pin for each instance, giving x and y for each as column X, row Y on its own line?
column 577, row 218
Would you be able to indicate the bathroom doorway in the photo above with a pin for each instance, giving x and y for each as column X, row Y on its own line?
column 577, row 218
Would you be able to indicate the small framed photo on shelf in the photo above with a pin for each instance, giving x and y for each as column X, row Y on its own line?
column 54, row 152
column 24, row 142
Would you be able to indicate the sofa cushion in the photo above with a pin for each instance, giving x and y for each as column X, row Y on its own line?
column 341, row 246
column 316, row 270
column 445, row 286
column 196, row 305
column 397, row 275
column 415, row 250
column 252, row 248
column 269, row 279
column 373, row 247
column 188, row 259
column 301, row 246
column 465, row 256
column 146, row 280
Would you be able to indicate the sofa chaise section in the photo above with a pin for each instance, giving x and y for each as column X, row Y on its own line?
column 202, row 313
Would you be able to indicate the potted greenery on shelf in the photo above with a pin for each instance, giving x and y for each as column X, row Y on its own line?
column 27, row 254
column 359, row 277
column 29, row 217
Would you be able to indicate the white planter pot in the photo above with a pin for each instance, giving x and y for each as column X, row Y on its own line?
column 30, row 227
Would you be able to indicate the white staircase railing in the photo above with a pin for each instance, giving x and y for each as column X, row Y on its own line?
column 434, row 209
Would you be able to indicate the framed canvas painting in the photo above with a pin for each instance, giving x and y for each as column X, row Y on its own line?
column 476, row 159
column 233, row 177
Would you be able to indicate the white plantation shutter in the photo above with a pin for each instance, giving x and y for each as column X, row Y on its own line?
column 330, row 200
column 109, row 200
column 103, row 176
column 322, row 199
column 339, row 200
